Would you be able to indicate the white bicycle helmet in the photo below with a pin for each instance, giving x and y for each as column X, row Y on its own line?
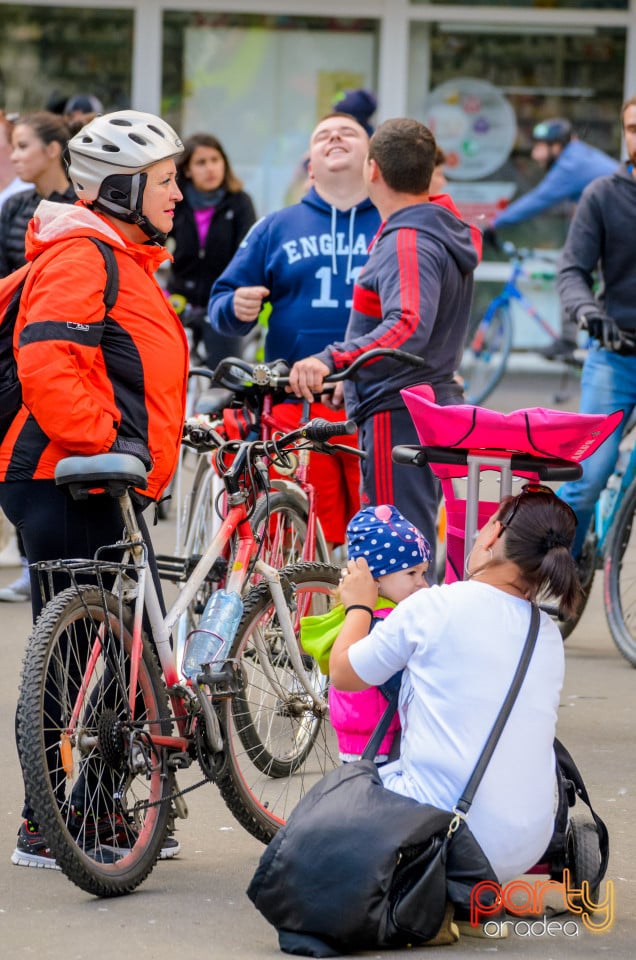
column 109, row 157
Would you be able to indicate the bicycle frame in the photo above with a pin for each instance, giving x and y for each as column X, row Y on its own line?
column 511, row 292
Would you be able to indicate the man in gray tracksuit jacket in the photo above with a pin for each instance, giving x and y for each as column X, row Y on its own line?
column 414, row 293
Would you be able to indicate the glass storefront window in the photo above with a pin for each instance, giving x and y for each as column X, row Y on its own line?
column 260, row 83
column 535, row 73
column 49, row 53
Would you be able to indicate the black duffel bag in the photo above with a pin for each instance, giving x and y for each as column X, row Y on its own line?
column 358, row 866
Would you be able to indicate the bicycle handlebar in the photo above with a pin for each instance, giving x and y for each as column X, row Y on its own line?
column 546, row 468
column 274, row 376
column 320, row 430
column 204, row 437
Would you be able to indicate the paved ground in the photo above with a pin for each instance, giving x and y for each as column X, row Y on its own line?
column 197, row 906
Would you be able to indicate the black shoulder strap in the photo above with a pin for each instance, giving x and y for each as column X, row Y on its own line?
column 111, row 289
column 383, row 724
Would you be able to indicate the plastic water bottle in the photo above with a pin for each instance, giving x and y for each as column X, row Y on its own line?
column 210, row 643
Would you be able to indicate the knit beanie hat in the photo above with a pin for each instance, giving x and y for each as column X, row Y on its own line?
column 386, row 540
column 361, row 104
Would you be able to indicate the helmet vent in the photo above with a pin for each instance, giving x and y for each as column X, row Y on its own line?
column 137, row 139
column 156, row 130
column 120, row 122
column 110, row 148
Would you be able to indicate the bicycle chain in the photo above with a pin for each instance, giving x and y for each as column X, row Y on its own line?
column 178, row 793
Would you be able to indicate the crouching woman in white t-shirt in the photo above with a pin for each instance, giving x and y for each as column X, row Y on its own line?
column 459, row 645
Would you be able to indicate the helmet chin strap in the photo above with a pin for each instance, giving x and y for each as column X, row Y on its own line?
column 126, row 204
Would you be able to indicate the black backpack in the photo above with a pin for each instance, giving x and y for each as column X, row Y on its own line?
column 11, row 288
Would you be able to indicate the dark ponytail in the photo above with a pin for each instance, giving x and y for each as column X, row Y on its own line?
column 538, row 533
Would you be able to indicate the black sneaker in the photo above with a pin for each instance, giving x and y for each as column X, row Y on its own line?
column 113, row 838
column 563, row 350
column 32, row 849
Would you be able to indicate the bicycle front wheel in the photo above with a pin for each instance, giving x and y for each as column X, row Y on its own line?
column 278, row 741
column 486, row 355
column 620, row 578
column 99, row 789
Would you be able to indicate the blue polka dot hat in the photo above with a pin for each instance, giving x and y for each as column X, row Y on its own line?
column 386, row 540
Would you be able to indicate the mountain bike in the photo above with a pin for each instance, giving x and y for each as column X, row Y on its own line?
column 105, row 717
column 489, row 344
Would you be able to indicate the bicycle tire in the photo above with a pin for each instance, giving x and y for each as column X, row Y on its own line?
column 486, row 354
column 276, row 747
column 620, row 578
column 103, row 811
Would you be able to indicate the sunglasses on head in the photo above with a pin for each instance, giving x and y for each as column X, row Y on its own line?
column 527, row 490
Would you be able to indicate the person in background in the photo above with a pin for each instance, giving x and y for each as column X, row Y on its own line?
column 397, row 556
column 38, row 143
column 459, row 645
column 209, row 224
column 414, row 293
column 601, row 235
column 113, row 383
column 10, row 182
column 360, row 104
column 569, row 165
column 82, row 107
column 302, row 262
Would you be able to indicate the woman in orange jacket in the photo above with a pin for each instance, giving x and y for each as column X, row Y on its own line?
column 95, row 380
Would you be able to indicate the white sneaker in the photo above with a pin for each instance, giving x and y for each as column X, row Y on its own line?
column 10, row 555
column 20, row 590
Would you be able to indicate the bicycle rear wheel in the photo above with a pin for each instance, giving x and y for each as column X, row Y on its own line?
column 620, row 578
column 486, row 355
column 99, row 789
column 278, row 742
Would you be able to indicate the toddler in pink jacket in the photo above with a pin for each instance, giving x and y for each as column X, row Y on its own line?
column 398, row 556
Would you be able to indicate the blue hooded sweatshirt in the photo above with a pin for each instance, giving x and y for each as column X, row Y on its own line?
column 414, row 294
column 308, row 256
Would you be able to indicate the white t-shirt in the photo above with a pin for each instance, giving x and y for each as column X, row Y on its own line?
column 460, row 645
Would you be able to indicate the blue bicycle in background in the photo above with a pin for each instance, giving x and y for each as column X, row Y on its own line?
column 490, row 343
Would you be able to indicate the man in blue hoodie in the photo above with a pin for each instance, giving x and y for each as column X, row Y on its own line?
column 303, row 262
column 414, row 293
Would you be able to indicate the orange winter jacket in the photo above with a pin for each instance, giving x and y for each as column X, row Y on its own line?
column 85, row 378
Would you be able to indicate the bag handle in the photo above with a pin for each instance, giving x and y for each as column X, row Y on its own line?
column 466, row 798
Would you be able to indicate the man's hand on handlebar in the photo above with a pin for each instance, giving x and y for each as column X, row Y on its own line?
column 306, row 378
column 602, row 328
column 247, row 302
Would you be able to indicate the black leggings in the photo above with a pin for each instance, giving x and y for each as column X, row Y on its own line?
column 52, row 525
